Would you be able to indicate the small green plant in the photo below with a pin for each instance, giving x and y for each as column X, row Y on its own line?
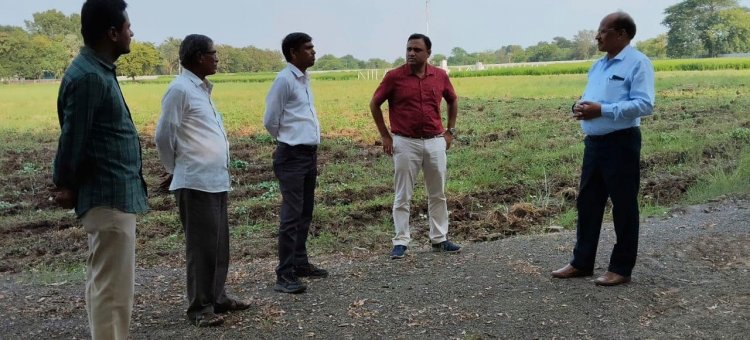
column 740, row 134
column 271, row 189
column 30, row 169
column 264, row 138
column 238, row 164
column 6, row 205
column 568, row 218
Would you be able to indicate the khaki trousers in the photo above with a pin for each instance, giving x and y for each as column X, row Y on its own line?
column 110, row 271
column 411, row 155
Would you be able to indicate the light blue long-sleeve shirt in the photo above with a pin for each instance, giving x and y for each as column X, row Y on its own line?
column 624, row 86
column 290, row 114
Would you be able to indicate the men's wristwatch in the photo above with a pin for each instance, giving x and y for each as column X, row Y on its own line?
column 452, row 131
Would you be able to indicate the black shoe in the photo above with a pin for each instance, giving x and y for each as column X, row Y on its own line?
column 398, row 252
column 231, row 306
column 446, row 246
column 207, row 319
column 289, row 284
column 311, row 271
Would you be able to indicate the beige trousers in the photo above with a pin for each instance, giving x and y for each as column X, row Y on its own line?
column 409, row 157
column 110, row 271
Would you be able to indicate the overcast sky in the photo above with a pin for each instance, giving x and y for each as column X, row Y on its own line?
column 366, row 28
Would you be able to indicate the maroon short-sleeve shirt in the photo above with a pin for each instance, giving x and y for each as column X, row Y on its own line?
column 414, row 103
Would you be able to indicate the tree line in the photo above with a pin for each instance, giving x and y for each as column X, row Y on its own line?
column 48, row 42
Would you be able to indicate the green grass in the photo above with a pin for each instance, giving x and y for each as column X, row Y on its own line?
column 516, row 144
column 734, row 180
column 706, row 64
column 55, row 274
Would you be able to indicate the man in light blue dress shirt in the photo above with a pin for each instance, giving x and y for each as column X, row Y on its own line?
column 291, row 119
column 620, row 91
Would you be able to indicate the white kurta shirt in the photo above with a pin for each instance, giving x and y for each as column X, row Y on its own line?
column 190, row 136
column 290, row 115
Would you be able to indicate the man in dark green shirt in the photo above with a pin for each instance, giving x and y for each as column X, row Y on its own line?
column 97, row 168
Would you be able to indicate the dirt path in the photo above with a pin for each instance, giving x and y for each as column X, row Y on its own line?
column 691, row 281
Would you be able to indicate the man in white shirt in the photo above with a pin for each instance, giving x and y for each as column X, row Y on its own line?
column 291, row 119
column 194, row 149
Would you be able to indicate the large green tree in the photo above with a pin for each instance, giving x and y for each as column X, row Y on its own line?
column 142, row 60
column 169, row 50
column 700, row 28
column 655, row 47
column 53, row 23
column 545, row 51
column 329, row 62
column 59, row 27
column 584, row 45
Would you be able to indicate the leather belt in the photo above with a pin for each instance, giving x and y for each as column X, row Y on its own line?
column 619, row 133
column 419, row 137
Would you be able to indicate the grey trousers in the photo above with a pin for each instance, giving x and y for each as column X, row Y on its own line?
column 204, row 219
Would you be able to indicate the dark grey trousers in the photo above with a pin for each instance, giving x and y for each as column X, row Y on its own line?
column 204, row 219
column 297, row 170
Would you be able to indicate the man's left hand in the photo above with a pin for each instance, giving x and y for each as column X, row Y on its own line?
column 586, row 110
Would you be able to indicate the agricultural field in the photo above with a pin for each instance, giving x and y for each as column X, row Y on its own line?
column 513, row 169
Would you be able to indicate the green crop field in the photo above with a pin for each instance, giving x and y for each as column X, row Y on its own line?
column 513, row 169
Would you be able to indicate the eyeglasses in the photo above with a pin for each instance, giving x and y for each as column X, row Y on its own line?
column 604, row 31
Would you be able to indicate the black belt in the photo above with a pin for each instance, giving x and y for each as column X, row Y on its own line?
column 619, row 133
column 299, row 146
column 419, row 137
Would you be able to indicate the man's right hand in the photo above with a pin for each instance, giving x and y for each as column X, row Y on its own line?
column 65, row 198
column 387, row 144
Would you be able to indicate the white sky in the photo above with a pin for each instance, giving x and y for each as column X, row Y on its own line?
column 366, row 28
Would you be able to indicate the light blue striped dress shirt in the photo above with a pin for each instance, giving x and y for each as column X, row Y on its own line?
column 624, row 86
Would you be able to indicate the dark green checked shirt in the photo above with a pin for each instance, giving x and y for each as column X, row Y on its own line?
column 99, row 153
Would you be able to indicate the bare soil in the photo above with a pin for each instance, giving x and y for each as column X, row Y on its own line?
column 30, row 237
column 690, row 282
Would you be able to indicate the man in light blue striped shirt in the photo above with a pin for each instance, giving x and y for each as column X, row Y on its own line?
column 620, row 91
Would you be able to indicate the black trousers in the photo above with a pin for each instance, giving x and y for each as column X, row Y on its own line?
column 611, row 168
column 296, row 168
column 204, row 219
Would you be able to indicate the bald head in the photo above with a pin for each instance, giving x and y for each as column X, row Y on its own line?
column 621, row 21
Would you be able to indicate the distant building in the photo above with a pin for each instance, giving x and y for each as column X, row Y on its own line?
column 444, row 66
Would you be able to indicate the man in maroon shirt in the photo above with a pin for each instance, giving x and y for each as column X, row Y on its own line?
column 414, row 92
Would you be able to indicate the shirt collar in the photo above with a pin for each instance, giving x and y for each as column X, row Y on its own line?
column 623, row 53
column 88, row 51
column 297, row 73
column 195, row 80
column 428, row 70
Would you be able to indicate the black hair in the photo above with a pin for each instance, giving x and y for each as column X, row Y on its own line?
column 98, row 16
column 293, row 41
column 623, row 21
column 424, row 38
column 192, row 47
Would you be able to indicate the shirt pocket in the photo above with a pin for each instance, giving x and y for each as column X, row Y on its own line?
column 616, row 89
